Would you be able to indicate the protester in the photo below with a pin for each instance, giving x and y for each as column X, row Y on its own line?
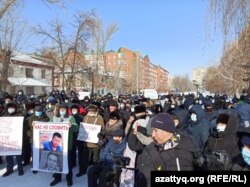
column 11, row 112
column 90, row 151
column 170, row 151
column 63, row 116
column 106, row 165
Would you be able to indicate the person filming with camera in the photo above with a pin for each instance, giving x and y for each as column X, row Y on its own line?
column 222, row 147
column 107, row 160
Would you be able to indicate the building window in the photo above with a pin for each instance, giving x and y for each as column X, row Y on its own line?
column 44, row 90
column 29, row 73
column 43, row 73
column 11, row 72
column 12, row 90
column 29, row 90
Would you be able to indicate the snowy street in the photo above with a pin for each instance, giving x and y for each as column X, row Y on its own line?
column 41, row 179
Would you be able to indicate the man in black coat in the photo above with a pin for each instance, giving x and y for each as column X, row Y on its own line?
column 170, row 151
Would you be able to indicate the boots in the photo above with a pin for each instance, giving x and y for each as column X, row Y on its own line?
column 57, row 179
column 7, row 173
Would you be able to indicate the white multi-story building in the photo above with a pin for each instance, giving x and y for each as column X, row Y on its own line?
column 198, row 75
column 31, row 75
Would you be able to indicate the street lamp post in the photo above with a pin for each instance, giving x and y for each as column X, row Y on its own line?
column 197, row 86
column 91, row 72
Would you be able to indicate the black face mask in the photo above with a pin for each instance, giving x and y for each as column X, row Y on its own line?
column 218, row 134
column 209, row 109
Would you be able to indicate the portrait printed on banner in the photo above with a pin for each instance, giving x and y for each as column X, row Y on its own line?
column 51, row 161
column 51, row 141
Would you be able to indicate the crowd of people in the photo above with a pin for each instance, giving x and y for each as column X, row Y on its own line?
column 173, row 133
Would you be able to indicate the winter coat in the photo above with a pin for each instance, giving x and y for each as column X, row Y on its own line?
column 111, row 150
column 239, row 164
column 183, row 118
column 72, row 129
column 31, row 119
column 224, row 141
column 109, row 129
column 244, row 113
column 199, row 130
column 151, row 158
column 95, row 120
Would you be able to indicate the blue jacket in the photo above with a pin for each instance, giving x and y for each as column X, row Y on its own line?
column 47, row 146
column 110, row 150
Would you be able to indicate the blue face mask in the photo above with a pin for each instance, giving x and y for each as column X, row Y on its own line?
column 62, row 113
column 38, row 114
column 246, row 155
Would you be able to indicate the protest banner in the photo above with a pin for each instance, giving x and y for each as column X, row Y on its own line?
column 50, row 147
column 88, row 132
column 11, row 135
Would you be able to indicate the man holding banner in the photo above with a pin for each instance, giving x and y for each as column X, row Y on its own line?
column 12, row 146
column 63, row 117
column 39, row 115
column 88, row 130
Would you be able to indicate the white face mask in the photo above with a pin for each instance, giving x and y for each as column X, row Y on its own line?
column 74, row 112
column 221, row 128
column 194, row 117
column 11, row 110
column 91, row 114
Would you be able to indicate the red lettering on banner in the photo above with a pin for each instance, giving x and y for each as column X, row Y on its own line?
column 38, row 126
column 57, row 127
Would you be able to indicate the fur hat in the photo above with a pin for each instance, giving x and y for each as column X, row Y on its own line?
column 114, row 115
column 140, row 109
column 113, row 103
column 63, row 105
column 9, row 97
column 29, row 106
column 39, row 108
column 75, row 106
column 222, row 118
column 92, row 107
column 12, row 104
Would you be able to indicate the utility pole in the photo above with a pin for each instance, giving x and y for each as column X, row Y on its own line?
column 92, row 82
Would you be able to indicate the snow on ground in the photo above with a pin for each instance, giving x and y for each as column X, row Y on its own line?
column 41, row 179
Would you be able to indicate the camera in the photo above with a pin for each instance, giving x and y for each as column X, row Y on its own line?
column 102, row 139
column 142, row 130
column 219, row 160
column 121, row 161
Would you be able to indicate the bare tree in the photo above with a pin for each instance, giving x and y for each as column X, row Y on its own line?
column 12, row 37
column 228, row 76
column 5, row 5
column 64, row 51
column 231, row 15
column 182, row 83
column 101, row 36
